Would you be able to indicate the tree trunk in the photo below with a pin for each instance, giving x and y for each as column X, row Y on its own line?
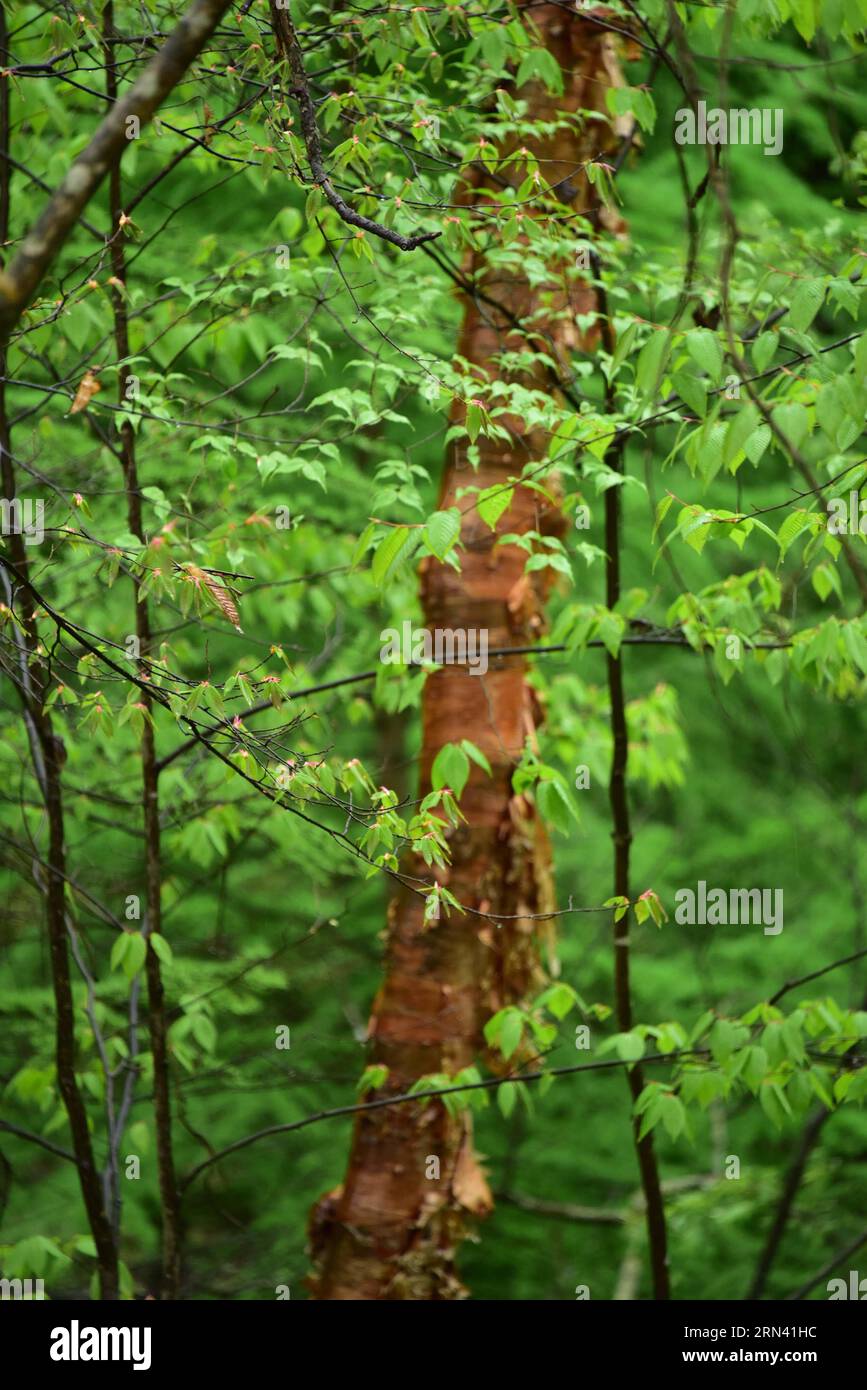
column 392, row 1230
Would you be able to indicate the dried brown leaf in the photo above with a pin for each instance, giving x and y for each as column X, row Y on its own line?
column 469, row 1187
column 87, row 389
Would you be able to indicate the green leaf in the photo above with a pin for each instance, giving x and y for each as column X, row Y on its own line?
column 622, row 350
column 652, row 1116
column 830, row 409
column 555, row 805
column 398, row 545
column 763, row 351
column 159, row 499
column 363, row 543
column 477, row 756
column 755, row 1067
column 791, row 529
column 559, row 1000
column 692, row 390
column 740, row 429
column 474, row 421
column 494, row 1026
column 696, row 530
column 507, row 1096
column 772, row 1101
column 804, row 16
column 442, row 530
column 204, row 1032
column 672, row 1114
column 491, row 504
column 701, row 1025
column 630, row 1047
column 544, row 1033
column 662, row 507
column 610, row 631
column 861, row 360
column 511, row 1032
column 855, row 643
column 825, row 581
column 620, row 905
column 651, row 363
column 549, row 560
column 538, row 62
column 725, row 1036
column 315, row 471
column 793, row 421
column 451, row 768
column 758, row 443
column 134, row 955
column 806, row 304
column 371, row 1079
column 119, row 949
column 704, row 349
column 161, row 947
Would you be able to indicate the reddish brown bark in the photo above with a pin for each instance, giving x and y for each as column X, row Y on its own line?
column 391, row 1231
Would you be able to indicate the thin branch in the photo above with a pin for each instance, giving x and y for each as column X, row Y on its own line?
column 20, row 280
column 37, row 1139
column 290, row 50
column 562, row 1211
column 785, row 1202
column 662, row 638
column 490, row 1083
column 815, row 974
column 828, row 1268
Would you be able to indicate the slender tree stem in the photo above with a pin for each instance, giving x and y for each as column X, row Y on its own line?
column 48, row 756
column 794, row 1177
column 157, row 1025
column 622, row 836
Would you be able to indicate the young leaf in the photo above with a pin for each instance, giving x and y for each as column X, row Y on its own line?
column 134, row 955
column 451, row 768
column 442, row 530
column 492, row 503
column 161, row 946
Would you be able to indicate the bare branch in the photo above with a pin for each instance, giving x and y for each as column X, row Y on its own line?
column 37, row 1139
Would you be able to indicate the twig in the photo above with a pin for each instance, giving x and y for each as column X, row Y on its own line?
column 18, row 283
column 37, row 1139
column 828, row 1268
column 290, row 49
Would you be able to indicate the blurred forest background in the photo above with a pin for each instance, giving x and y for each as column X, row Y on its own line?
column 281, row 367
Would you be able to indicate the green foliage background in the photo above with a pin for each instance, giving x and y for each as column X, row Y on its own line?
column 750, row 781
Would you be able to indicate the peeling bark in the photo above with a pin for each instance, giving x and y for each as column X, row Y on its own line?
column 392, row 1231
